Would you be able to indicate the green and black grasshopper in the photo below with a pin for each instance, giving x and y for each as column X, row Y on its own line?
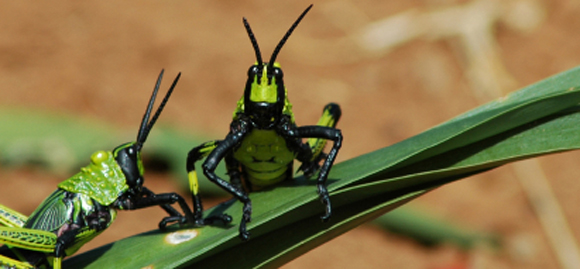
column 264, row 140
column 86, row 204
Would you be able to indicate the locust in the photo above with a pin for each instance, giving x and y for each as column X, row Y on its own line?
column 263, row 139
column 86, row 204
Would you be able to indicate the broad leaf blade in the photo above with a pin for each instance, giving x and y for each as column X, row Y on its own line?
column 280, row 246
column 293, row 239
column 520, row 127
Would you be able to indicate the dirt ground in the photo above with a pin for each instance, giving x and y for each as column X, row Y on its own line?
column 430, row 61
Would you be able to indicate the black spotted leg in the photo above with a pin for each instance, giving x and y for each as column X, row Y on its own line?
column 164, row 200
column 291, row 132
column 194, row 155
column 219, row 153
column 330, row 116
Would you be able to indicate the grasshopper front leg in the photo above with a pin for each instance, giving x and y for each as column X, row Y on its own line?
column 194, row 155
column 290, row 132
column 164, row 200
column 237, row 133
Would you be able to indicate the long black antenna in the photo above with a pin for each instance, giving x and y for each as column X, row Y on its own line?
column 162, row 105
column 254, row 42
column 146, row 125
column 142, row 135
column 281, row 43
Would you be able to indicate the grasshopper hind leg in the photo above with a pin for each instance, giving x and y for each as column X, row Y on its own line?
column 330, row 116
column 6, row 262
column 11, row 218
column 28, row 259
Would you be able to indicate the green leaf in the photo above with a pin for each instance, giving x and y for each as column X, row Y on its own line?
column 541, row 119
column 429, row 230
column 58, row 141
column 62, row 143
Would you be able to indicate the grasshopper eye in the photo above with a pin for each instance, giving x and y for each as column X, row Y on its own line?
column 99, row 157
column 253, row 71
column 277, row 72
column 131, row 151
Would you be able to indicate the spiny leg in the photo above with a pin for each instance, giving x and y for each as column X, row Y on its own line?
column 164, row 200
column 209, row 166
column 321, row 132
column 194, row 155
column 27, row 239
column 168, row 208
column 31, row 239
column 73, row 237
column 330, row 116
column 11, row 218
column 233, row 170
column 12, row 263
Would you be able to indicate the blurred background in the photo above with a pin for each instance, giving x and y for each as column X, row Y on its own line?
column 396, row 68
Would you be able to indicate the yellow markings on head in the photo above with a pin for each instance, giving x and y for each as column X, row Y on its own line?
column 262, row 91
column 181, row 236
column 276, row 64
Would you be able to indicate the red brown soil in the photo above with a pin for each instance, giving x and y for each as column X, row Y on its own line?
column 101, row 59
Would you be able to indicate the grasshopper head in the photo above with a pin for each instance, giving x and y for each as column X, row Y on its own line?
column 265, row 93
column 128, row 155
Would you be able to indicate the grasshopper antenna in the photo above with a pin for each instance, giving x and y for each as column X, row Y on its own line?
column 146, row 125
column 288, row 33
column 162, row 105
column 254, row 42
